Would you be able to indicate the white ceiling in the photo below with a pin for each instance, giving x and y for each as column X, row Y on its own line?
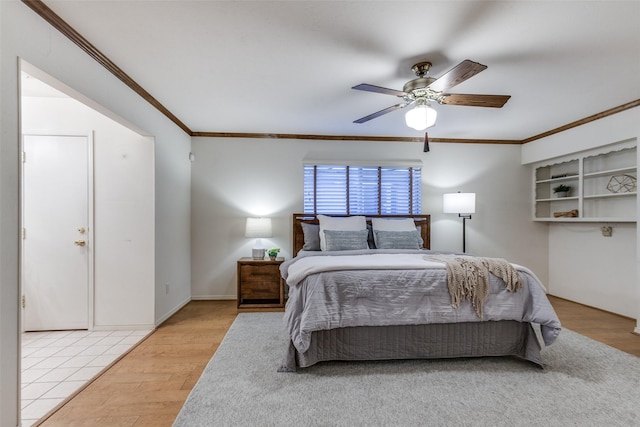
column 288, row 66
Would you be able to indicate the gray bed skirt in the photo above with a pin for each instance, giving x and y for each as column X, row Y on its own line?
column 434, row 341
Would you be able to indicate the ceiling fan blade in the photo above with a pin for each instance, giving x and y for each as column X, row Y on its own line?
column 380, row 113
column 495, row 101
column 379, row 89
column 461, row 72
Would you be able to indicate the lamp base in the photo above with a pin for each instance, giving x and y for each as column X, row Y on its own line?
column 257, row 253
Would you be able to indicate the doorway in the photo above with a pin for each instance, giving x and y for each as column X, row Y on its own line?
column 117, row 228
column 57, row 226
column 118, row 236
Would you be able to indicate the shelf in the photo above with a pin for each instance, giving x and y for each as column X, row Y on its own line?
column 561, row 179
column 589, row 186
column 611, row 172
column 605, row 196
column 558, row 199
column 603, row 219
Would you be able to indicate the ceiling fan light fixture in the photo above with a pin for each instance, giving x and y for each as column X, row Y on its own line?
column 421, row 117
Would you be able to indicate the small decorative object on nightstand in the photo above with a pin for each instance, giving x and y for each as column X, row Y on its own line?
column 273, row 253
column 260, row 284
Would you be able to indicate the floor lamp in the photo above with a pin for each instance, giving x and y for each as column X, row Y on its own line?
column 464, row 204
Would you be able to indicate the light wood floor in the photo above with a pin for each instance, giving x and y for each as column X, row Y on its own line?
column 609, row 328
column 150, row 384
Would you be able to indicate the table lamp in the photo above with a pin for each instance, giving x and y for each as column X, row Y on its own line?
column 258, row 228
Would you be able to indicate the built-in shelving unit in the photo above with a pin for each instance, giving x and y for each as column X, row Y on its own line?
column 602, row 185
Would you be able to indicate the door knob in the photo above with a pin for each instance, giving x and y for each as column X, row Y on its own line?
column 81, row 230
column 79, row 243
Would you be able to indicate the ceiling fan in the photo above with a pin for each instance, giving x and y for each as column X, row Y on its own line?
column 423, row 89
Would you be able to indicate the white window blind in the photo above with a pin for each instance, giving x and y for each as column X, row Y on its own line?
column 355, row 190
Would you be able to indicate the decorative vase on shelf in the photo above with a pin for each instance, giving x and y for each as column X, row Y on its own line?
column 562, row 194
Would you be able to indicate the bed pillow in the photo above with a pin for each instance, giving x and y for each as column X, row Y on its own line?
column 339, row 240
column 406, row 224
column 311, row 233
column 349, row 223
column 397, row 239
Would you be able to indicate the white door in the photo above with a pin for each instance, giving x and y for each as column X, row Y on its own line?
column 55, row 241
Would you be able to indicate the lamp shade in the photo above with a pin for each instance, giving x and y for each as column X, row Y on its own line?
column 459, row 203
column 258, row 227
column 421, row 117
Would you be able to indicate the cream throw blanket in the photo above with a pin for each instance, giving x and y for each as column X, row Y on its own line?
column 468, row 278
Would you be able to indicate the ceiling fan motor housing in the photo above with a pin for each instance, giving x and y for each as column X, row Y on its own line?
column 419, row 83
column 421, row 69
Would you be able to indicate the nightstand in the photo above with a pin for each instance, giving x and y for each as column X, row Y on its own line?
column 260, row 284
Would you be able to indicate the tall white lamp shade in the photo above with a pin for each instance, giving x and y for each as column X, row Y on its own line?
column 460, row 203
column 258, row 228
column 464, row 204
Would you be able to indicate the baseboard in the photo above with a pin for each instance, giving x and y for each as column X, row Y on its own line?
column 637, row 330
column 173, row 311
column 215, row 297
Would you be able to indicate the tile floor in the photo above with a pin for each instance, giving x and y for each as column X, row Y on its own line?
column 56, row 364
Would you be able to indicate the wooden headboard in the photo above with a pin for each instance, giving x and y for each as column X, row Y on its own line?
column 424, row 221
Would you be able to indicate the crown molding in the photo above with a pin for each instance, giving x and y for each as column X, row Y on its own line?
column 347, row 137
column 592, row 118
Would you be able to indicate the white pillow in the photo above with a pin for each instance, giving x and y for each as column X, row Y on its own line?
column 349, row 223
column 382, row 224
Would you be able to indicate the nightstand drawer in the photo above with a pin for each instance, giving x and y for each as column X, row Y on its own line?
column 260, row 290
column 259, row 273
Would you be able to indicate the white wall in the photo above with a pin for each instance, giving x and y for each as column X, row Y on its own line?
column 236, row 178
column 123, row 209
column 584, row 266
column 594, row 270
column 24, row 34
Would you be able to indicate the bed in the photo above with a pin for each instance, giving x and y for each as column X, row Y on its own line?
column 349, row 302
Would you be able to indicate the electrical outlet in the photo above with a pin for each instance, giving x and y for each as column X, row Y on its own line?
column 166, row 288
column 606, row 230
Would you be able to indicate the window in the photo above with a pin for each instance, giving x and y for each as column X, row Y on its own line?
column 362, row 190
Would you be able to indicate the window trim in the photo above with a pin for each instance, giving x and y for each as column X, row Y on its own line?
column 410, row 165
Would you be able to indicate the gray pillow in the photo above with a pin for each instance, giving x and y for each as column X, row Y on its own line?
column 311, row 234
column 342, row 240
column 397, row 239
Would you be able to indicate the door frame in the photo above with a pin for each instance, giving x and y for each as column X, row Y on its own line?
column 90, row 217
